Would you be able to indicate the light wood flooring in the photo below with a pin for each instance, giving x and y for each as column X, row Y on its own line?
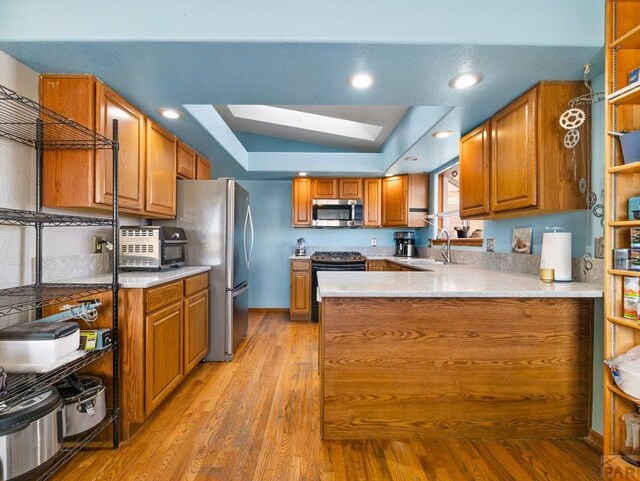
column 257, row 419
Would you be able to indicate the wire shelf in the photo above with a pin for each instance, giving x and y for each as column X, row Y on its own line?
column 28, row 217
column 72, row 447
column 20, row 386
column 20, row 118
column 26, row 298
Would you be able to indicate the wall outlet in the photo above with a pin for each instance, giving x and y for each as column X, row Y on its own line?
column 374, row 242
column 491, row 245
column 97, row 244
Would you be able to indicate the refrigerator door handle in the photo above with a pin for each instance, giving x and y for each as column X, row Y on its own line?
column 244, row 237
column 252, row 234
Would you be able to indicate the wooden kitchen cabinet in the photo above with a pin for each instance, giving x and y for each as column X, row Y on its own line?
column 300, row 290
column 350, row 188
column 161, row 168
column 372, row 203
column 301, row 202
column 530, row 171
column 196, row 328
column 186, row 162
column 475, row 172
column 163, row 336
column 325, row 188
column 203, row 168
column 376, row 265
column 514, row 156
column 83, row 178
column 163, row 354
column 405, row 200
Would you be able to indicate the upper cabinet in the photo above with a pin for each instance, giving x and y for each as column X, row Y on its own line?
column 161, row 165
column 301, row 202
column 186, row 165
column 149, row 158
column 518, row 157
column 203, row 168
column 372, row 203
column 475, row 171
column 349, row 188
column 405, row 200
column 325, row 188
column 514, row 156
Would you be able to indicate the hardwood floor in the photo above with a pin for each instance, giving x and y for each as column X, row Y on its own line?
column 257, row 419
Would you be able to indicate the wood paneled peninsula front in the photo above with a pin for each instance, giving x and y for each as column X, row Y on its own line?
column 454, row 352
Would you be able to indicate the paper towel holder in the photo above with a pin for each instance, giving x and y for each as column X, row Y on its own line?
column 556, row 253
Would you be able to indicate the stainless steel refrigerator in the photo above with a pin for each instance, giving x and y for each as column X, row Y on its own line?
column 216, row 217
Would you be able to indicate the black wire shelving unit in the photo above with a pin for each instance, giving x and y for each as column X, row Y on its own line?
column 24, row 121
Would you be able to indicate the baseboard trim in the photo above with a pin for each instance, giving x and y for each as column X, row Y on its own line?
column 596, row 438
column 263, row 310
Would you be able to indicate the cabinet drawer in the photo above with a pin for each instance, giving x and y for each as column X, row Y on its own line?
column 157, row 297
column 195, row 284
column 300, row 265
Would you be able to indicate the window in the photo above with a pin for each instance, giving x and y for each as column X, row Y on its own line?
column 449, row 206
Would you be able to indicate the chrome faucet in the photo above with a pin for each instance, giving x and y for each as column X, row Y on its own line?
column 446, row 248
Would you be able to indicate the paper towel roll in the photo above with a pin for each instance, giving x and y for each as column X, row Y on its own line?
column 556, row 254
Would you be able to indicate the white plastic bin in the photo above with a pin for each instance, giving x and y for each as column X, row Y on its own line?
column 626, row 371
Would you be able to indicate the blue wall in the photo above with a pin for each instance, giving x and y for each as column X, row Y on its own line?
column 275, row 240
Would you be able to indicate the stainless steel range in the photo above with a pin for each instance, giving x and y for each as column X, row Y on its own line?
column 332, row 261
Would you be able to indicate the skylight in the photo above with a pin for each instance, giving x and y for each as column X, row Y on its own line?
column 306, row 121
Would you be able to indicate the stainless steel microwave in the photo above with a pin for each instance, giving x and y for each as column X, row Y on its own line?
column 337, row 213
column 151, row 248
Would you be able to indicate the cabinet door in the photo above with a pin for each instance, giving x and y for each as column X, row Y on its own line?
column 376, row 265
column 196, row 329
column 301, row 202
column 514, row 156
column 203, row 168
column 186, row 163
column 163, row 354
column 161, row 168
column 350, row 188
column 394, row 201
column 300, row 290
column 474, row 172
column 131, row 158
column 372, row 203
column 325, row 189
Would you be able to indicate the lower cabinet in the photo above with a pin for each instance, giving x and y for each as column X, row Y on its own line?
column 163, row 336
column 379, row 265
column 300, row 290
column 163, row 354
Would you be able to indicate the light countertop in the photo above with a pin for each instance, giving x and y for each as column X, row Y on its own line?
column 142, row 280
column 440, row 280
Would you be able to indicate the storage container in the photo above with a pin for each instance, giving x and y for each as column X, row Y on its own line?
column 625, row 369
column 38, row 342
column 630, row 448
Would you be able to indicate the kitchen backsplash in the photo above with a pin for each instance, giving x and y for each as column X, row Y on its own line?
column 70, row 267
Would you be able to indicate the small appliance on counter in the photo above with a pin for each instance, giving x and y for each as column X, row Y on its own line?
column 151, row 248
column 301, row 250
column 31, row 435
column 405, row 244
column 556, row 254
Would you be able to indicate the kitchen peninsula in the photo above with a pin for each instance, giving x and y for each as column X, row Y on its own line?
column 454, row 351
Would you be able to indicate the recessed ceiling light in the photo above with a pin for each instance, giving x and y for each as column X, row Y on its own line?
column 388, row 175
column 302, row 174
column 411, row 158
column 172, row 114
column 465, row 81
column 361, row 81
column 442, row 134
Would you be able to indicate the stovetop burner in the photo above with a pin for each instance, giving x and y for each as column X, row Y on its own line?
column 338, row 256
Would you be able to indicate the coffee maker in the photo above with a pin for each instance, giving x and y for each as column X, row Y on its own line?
column 405, row 244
